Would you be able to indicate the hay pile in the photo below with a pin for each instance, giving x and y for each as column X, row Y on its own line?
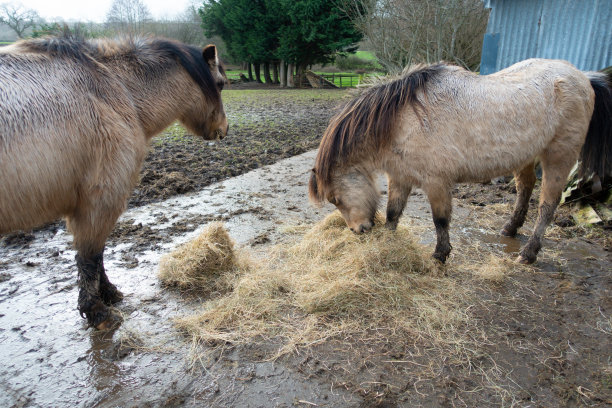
column 331, row 283
column 199, row 265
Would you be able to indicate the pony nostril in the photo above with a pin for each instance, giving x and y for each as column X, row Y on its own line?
column 361, row 229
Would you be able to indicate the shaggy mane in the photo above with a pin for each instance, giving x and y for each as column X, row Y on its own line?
column 150, row 54
column 367, row 122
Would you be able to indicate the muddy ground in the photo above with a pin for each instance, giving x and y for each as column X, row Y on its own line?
column 544, row 335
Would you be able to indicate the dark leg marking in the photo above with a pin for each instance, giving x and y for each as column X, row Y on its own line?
column 91, row 306
column 525, row 181
column 108, row 292
column 520, row 213
column 443, row 246
column 529, row 252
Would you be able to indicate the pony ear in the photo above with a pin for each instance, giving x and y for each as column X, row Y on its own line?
column 210, row 55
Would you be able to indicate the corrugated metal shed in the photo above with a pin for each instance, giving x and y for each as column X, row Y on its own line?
column 579, row 31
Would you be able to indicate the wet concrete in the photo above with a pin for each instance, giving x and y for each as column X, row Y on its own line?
column 50, row 358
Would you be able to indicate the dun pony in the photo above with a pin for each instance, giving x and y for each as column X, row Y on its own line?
column 75, row 120
column 438, row 125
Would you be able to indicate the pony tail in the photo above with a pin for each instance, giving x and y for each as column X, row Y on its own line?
column 596, row 155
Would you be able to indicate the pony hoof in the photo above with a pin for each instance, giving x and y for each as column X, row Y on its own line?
column 110, row 294
column 507, row 232
column 440, row 257
column 113, row 321
column 391, row 226
column 525, row 260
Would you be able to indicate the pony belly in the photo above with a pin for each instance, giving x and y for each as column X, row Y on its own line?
column 31, row 195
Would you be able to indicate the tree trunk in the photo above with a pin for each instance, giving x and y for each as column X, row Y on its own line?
column 283, row 74
column 267, row 77
column 275, row 72
column 299, row 75
column 250, row 72
column 290, row 82
column 257, row 67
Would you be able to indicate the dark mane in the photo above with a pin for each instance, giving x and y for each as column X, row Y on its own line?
column 149, row 53
column 367, row 122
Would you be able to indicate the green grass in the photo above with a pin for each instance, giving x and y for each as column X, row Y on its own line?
column 5, row 42
column 366, row 55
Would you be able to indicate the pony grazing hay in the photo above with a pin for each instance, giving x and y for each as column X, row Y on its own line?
column 336, row 283
column 197, row 265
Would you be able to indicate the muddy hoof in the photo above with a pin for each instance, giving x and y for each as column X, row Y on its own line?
column 440, row 257
column 507, row 232
column 391, row 226
column 99, row 315
column 113, row 321
column 525, row 260
column 110, row 294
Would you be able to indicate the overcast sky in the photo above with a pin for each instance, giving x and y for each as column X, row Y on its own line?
column 95, row 10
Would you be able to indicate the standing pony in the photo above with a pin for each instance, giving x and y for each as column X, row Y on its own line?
column 76, row 117
column 438, row 125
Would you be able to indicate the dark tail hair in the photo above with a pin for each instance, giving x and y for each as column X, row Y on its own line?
column 596, row 155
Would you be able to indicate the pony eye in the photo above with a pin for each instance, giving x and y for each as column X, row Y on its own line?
column 333, row 200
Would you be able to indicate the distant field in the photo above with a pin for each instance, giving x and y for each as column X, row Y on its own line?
column 5, row 42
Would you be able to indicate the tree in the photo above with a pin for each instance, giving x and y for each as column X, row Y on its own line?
column 403, row 32
column 18, row 18
column 298, row 32
column 128, row 16
column 316, row 31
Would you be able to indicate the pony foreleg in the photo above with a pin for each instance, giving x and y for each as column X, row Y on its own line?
column 525, row 180
column 398, row 195
column 440, row 200
column 556, row 165
column 108, row 292
column 91, row 304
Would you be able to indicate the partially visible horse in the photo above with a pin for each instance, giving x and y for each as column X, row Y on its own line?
column 438, row 125
column 76, row 117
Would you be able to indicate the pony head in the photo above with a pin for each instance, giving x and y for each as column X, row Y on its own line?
column 353, row 192
column 206, row 117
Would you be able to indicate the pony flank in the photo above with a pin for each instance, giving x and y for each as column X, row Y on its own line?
column 75, row 120
column 439, row 125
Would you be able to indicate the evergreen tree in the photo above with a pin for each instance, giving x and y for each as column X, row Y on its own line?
column 300, row 32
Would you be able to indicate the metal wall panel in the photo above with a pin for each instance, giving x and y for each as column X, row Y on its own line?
column 579, row 31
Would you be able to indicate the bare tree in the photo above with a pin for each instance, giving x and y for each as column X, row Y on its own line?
column 403, row 32
column 18, row 18
column 128, row 16
column 186, row 27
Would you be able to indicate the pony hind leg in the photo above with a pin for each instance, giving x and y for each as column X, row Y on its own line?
column 525, row 181
column 440, row 200
column 556, row 166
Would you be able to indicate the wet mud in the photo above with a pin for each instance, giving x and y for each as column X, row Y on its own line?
column 545, row 335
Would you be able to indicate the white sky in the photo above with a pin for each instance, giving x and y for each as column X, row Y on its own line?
column 95, row 10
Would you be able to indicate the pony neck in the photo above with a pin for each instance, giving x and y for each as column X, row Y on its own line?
column 160, row 101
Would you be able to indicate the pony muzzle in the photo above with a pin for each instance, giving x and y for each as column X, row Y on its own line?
column 361, row 228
